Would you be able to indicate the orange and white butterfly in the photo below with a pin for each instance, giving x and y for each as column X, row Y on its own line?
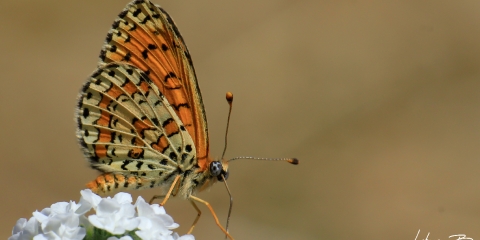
column 141, row 120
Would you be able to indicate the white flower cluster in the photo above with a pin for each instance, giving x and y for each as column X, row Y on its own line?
column 115, row 218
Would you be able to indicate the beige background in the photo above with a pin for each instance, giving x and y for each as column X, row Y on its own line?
column 380, row 102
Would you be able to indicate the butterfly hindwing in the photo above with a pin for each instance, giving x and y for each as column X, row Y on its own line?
column 127, row 125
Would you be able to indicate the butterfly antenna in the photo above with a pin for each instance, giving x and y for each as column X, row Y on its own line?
column 229, row 97
column 293, row 161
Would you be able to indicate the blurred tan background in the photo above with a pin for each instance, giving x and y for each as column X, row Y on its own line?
column 379, row 101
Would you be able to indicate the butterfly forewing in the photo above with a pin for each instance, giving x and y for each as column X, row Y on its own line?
column 145, row 36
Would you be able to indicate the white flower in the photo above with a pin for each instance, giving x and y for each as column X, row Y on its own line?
column 122, row 238
column 116, row 215
column 24, row 229
column 59, row 222
column 155, row 224
column 88, row 201
column 184, row 237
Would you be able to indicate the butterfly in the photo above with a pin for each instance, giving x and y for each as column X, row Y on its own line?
column 141, row 120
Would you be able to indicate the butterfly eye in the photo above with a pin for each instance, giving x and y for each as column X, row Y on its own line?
column 216, row 168
column 225, row 175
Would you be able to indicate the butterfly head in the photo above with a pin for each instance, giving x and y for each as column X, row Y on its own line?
column 219, row 169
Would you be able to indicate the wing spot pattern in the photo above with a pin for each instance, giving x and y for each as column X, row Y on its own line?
column 143, row 110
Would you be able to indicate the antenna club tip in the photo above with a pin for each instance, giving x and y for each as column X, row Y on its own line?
column 229, row 97
column 293, row 161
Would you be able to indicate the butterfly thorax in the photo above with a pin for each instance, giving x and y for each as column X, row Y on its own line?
column 198, row 179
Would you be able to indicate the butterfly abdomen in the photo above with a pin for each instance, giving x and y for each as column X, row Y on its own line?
column 108, row 182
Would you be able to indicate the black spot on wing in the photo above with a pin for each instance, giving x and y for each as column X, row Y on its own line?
column 146, row 19
column 136, row 12
column 169, row 75
column 178, row 106
column 139, row 165
column 127, row 57
column 116, row 119
column 123, row 14
column 136, row 154
column 103, row 55
column 152, row 46
column 133, row 28
column 115, row 24
column 173, row 156
column 164, row 47
column 125, row 163
column 86, row 112
column 184, row 157
column 109, row 37
column 166, row 122
column 113, row 135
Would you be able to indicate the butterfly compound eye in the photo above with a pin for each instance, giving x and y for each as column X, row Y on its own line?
column 216, row 168
column 225, row 175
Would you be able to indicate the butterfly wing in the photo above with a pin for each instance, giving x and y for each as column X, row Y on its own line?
column 128, row 128
column 145, row 36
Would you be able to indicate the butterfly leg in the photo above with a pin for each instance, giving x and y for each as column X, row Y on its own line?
column 191, row 198
column 167, row 196
column 199, row 213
